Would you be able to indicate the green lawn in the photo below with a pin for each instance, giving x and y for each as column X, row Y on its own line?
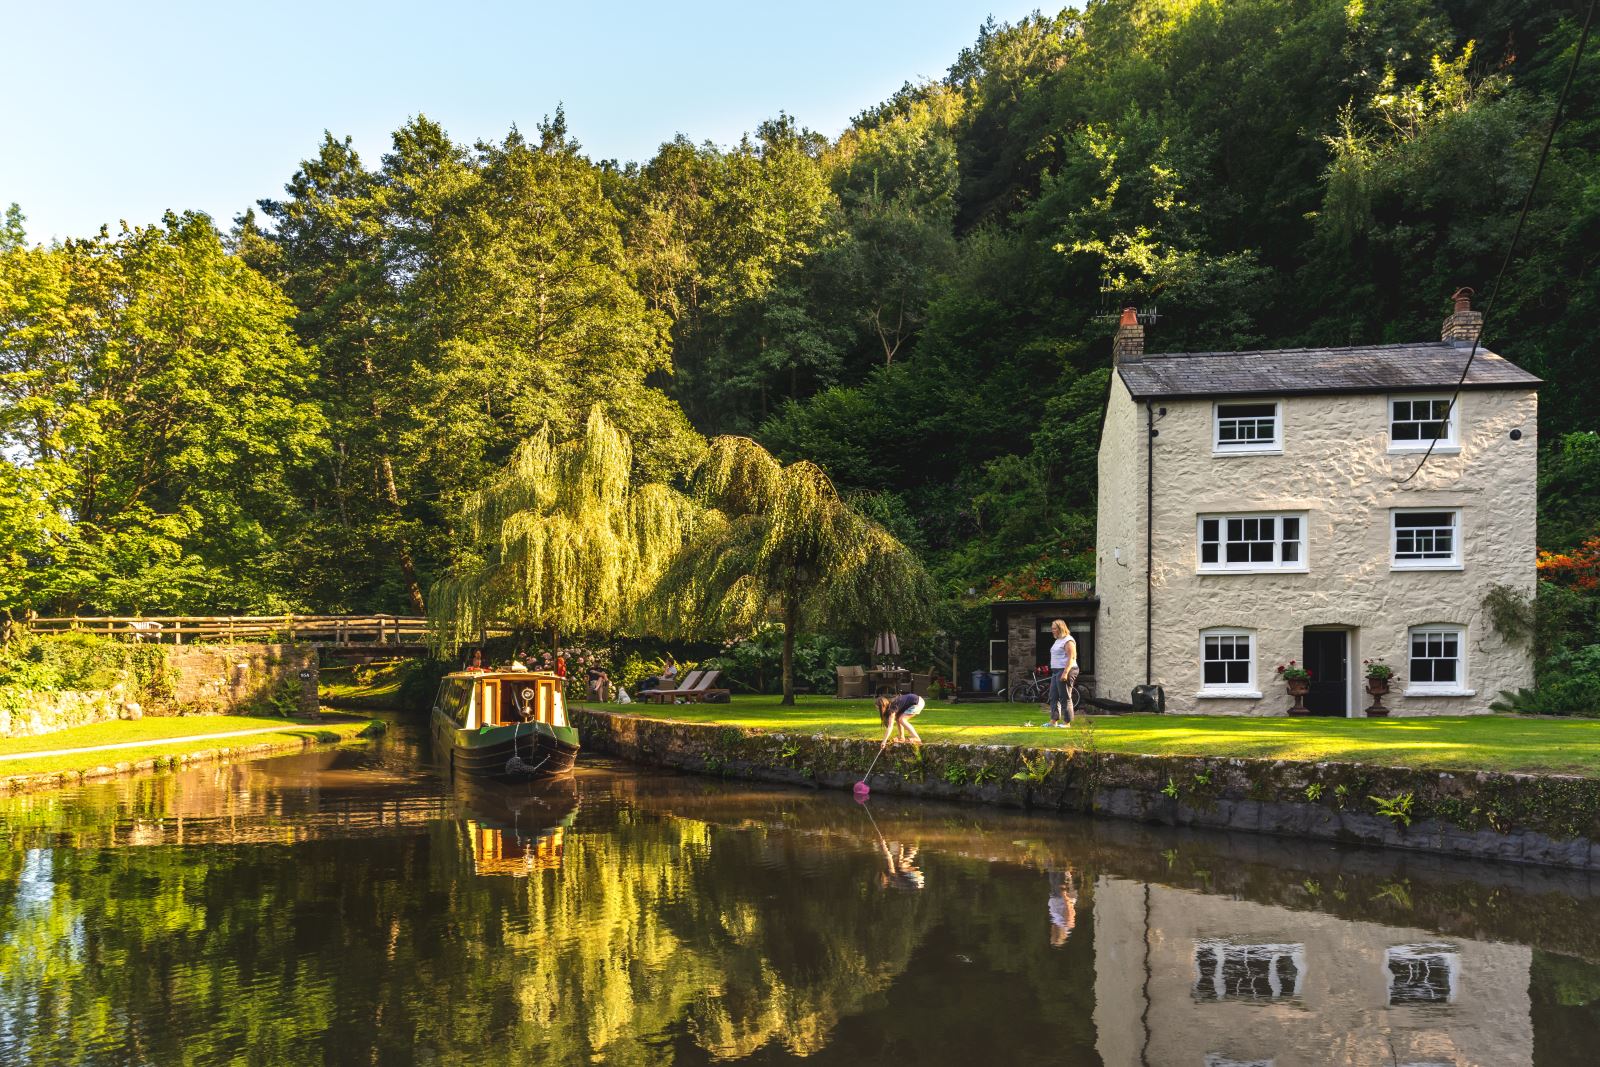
column 157, row 731
column 1467, row 743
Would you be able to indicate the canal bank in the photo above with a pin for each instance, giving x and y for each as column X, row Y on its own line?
column 108, row 750
column 1544, row 819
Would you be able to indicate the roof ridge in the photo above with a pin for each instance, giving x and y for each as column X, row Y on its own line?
column 1308, row 348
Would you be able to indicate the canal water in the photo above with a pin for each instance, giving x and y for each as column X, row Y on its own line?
column 355, row 907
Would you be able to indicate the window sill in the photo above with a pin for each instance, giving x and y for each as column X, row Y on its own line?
column 1416, row 450
column 1247, row 451
column 1456, row 566
column 1229, row 694
column 1253, row 570
column 1414, row 692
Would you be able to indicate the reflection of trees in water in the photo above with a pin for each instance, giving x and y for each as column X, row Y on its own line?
column 661, row 928
column 670, row 923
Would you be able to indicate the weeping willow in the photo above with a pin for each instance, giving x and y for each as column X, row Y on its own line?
column 561, row 539
column 778, row 542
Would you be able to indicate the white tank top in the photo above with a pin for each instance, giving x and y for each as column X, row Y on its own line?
column 1059, row 657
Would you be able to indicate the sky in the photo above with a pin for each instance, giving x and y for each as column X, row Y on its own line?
column 113, row 111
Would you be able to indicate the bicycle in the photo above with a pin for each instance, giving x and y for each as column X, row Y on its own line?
column 1036, row 690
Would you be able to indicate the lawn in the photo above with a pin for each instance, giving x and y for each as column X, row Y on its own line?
column 159, row 732
column 1466, row 743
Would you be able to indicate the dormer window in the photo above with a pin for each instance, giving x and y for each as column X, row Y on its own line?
column 1246, row 428
column 1417, row 423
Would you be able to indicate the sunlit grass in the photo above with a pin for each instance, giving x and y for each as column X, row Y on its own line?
column 1457, row 743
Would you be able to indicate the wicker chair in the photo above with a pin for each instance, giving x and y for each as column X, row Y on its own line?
column 852, row 682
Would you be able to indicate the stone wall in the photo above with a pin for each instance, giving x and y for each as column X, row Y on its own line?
column 28, row 713
column 1336, row 469
column 229, row 679
column 1543, row 819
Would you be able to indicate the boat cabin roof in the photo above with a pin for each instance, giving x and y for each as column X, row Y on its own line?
column 492, row 675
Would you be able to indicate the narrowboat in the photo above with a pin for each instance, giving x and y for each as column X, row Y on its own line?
column 507, row 726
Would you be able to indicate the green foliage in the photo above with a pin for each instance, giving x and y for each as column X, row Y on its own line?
column 1397, row 807
column 1170, row 790
column 1033, row 772
column 562, row 539
column 1314, row 792
column 778, row 543
column 155, row 415
column 756, row 663
column 1569, row 684
column 79, row 661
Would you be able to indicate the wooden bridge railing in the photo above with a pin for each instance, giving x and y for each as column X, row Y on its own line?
column 317, row 629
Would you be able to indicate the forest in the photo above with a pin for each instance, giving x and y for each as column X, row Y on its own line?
column 288, row 411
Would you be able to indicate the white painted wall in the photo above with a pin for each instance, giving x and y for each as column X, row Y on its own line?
column 1336, row 468
column 1119, row 547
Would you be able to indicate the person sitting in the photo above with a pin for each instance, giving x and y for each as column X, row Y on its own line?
column 475, row 661
column 599, row 684
column 669, row 673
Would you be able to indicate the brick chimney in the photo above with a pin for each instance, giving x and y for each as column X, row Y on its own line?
column 1128, row 345
column 1463, row 326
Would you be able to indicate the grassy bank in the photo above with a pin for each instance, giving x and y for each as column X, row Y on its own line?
column 157, row 740
column 1468, row 743
column 406, row 684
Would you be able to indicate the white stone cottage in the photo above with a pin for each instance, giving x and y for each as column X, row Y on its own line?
column 1288, row 523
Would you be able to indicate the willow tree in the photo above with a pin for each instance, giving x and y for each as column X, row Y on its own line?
column 779, row 543
column 562, row 539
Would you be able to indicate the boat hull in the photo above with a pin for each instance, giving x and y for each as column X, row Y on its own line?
column 516, row 753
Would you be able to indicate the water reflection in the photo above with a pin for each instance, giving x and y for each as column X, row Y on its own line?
column 350, row 906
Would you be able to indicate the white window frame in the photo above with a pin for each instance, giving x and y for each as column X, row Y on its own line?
column 1275, row 565
column 1449, row 956
column 1208, row 987
column 1449, row 443
column 1457, row 688
column 1219, row 447
column 1249, row 688
column 1454, row 563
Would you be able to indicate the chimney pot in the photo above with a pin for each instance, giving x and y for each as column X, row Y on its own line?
column 1463, row 326
column 1129, row 342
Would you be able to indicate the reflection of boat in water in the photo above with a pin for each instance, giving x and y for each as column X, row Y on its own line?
column 515, row 831
column 505, row 725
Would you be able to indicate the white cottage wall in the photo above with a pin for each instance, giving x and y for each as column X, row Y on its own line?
column 1336, row 468
column 1119, row 547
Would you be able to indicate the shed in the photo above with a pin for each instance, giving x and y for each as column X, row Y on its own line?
column 1019, row 635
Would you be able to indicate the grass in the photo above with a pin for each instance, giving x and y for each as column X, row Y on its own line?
column 1464, row 743
column 157, row 731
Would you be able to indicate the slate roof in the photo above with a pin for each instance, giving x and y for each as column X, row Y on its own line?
column 1298, row 371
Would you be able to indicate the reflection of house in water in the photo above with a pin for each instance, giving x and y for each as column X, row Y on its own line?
column 1185, row 978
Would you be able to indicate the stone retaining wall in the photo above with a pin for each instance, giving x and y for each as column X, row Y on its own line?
column 1552, row 820
column 194, row 680
column 229, row 679
column 32, row 712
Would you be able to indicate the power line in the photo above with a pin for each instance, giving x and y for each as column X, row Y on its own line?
column 1516, row 233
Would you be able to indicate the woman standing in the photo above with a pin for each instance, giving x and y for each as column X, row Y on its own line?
column 1063, row 674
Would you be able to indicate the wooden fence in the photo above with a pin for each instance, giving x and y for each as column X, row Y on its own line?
column 336, row 630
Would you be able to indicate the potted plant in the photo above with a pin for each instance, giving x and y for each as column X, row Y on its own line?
column 1378, row 675
column 1298, row 681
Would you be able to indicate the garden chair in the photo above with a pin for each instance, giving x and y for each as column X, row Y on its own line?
column 704, row 689
column 852, row 682
column 661, row 694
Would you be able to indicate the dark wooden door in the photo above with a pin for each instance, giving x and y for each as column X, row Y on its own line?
column 1326, row 657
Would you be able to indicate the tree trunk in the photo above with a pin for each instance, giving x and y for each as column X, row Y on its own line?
column 791, row 621
column 408, row 566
